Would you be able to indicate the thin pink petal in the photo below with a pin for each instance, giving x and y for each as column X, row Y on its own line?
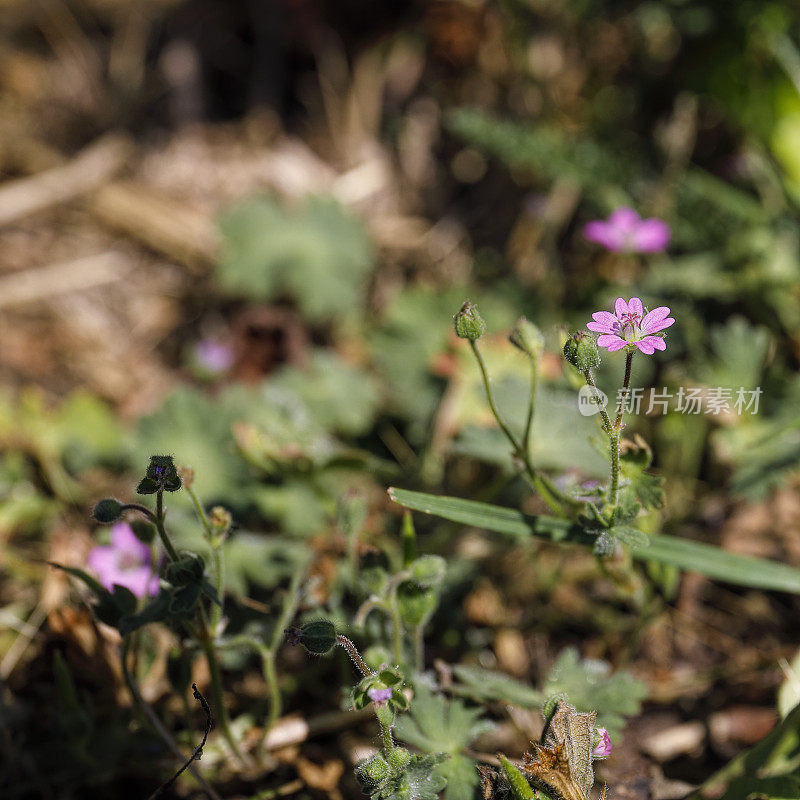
column 137, row 580
column 621, row 307
column 103, row 560
column 124, row 540
column 655, row 327
column 612, row 342
column 635, row 306
column 651, row 236
column 646, row 347
column 605, row 318
column 599, row 327
column 601, row 233
column 657, row 314
column 656, row 341
column 625, row 220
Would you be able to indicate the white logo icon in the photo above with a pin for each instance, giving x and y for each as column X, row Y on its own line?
column 591, row 400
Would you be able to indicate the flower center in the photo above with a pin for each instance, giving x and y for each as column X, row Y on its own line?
column 128, row 562
column 629, row 326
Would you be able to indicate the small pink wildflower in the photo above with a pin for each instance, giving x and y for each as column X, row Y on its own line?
column 603, row 747
column 379, row 696
column 626, row 232
column 125, row 562
column 214, row 355
column 631, row 326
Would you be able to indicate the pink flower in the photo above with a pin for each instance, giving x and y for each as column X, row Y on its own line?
column 213, row 355
column 125, row 562
column 379, row 696
column 602, row 748
column 626, row 232
column 631, row 326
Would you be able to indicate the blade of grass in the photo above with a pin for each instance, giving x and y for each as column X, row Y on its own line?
column 693, row 556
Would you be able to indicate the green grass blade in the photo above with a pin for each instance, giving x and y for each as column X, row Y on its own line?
column 707, row 559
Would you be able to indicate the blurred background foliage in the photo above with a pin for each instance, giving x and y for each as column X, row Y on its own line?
column 313, row 189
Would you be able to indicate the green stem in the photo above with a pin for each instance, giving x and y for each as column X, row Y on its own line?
column 419, row 649
column 526, row 439
column 487, row 385
column 162, row 532
column 588, row 377
column 219, row 585
column 217, row 696
column 397, row 631
column 388, row 742
column 520, row 451
column 159, row 728
column 626, row 384
column 615, row 433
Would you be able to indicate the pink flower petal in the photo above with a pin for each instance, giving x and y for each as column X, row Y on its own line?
column 651, row 236
column 601, row 233
column 612, row 342
column 635, row 306
column 598, row 327
column 658, row 325
column 138, row 580
column 655, row 341
column 656, row 315
column 123, row 539
column 620, row 307
column 646, row 347
column 625, row 220
column 103, row 561
column 605, row 318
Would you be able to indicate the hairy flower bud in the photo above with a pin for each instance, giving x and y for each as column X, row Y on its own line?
column 372, row 771
column 528, row 338
column 469, row 323
column 580, row 350
column 107, row 511
column 399, row 759
column 161, row 476
column 318, row 636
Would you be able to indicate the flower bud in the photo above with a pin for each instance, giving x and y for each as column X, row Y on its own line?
column 186, row 474
column 580, row 350
column 528, row 338
column 468, row 322
column 107, row 511
column 428, row 570
column 220, row 520
column 372, row 771
column 399, row 759
column 161, row 476
column 318, row 636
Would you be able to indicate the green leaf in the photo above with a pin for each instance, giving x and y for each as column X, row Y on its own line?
column 591, row 686
column 712, row 561
column 770, row 768
column 488, row 686
column 157, row 610
column 520, row 788
column 318, row 253
column 630, row 536
column 92, row 583
column 438, row 725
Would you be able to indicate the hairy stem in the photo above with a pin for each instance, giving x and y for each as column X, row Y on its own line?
column 355, row 656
